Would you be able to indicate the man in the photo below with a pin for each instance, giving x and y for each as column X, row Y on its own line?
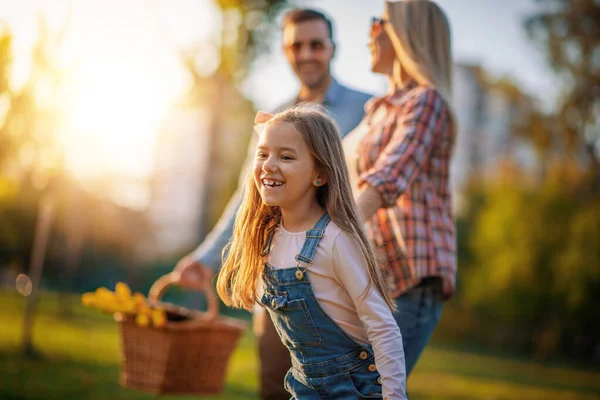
column 309, row 48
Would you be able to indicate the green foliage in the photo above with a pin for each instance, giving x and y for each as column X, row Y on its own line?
column 529, row 246
column 533, row 263
column 249, row 24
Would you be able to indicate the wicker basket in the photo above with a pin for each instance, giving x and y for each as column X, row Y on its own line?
column 189, row 356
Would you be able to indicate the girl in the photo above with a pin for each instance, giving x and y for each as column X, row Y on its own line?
column 299, row 249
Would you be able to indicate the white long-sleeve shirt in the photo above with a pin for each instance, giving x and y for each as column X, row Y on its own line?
column 339, row 278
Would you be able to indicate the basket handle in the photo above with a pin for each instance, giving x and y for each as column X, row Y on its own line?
column 161, row 285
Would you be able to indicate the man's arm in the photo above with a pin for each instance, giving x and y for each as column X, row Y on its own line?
column 199, row 266
column 210, row 251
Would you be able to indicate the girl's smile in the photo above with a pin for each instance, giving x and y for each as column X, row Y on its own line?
column 272, row 183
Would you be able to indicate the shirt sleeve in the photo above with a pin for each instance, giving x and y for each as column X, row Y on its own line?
column 350, row 269
column 210, row 251
column 414, row 134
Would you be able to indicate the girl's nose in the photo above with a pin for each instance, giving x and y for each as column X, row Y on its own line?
column 270, row 165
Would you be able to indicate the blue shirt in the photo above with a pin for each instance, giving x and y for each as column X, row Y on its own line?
column 347, row 107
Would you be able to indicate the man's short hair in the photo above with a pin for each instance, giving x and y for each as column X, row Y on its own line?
column 306, row 14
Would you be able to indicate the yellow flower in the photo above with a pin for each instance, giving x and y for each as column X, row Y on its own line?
column 127, row 306
column 139, row 298
column 103, row 293
column 105, row 300
column 159, row 317
column 88, row 299
column 142, row 319
column 122, row 291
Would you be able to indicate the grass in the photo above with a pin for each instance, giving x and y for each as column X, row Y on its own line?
column 79, row 359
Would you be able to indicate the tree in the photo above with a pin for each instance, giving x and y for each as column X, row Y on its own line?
column 568, row 31
column 28, row 152
column 243, row 35
column 530, row 256
column 34, row 185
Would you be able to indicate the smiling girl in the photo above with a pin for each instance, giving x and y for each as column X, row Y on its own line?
column 299, row 250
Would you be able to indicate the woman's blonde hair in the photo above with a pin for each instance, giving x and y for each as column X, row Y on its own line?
column 243, row 259
column 420, row 33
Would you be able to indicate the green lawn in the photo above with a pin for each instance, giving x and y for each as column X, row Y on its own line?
column 80, row 360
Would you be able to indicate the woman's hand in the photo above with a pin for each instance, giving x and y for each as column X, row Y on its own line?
column 368, row 201
column 447, row 289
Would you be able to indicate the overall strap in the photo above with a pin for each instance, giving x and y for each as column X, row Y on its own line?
column 313, row 237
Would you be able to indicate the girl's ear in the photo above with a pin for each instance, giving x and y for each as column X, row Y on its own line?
column 320, row 180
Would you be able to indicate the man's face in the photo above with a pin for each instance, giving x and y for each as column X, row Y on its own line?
column 309, row 51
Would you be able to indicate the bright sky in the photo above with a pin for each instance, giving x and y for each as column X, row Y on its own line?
column 124, row 74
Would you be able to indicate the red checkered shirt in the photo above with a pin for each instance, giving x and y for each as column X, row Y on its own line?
column 406, row 156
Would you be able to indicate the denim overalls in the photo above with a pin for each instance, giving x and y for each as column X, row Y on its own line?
column 326, row 362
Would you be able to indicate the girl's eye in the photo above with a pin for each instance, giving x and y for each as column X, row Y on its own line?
column 260, row 155
column 287, row 158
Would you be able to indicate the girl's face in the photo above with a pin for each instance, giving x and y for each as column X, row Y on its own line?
column 284, row 169
column 382, row 51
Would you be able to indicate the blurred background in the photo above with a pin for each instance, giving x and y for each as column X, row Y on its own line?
column 123, row 125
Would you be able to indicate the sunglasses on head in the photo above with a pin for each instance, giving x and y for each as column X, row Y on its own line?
column 377, row 24
column 377, row 21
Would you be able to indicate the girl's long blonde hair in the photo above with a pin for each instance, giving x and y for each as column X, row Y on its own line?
column 238, row 280
column 420, row 33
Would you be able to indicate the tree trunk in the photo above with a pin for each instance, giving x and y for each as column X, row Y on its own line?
column 73, row 250
column 42, row 232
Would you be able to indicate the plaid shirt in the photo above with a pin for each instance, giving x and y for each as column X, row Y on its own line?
column 406, row 157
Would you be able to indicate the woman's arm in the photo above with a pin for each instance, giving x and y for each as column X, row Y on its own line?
column 424, row 117
column 368, row 201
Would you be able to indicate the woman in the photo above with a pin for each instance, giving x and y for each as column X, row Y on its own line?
column 401, row 157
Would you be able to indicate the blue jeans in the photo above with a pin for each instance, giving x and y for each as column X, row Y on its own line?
column 419, row 311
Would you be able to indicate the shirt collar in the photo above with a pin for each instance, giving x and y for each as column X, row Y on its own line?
column 409, row 85
column 389, row 99
column 332, row 95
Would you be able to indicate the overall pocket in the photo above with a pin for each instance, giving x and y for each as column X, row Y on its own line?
column 364, row 383
column 291, row 318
